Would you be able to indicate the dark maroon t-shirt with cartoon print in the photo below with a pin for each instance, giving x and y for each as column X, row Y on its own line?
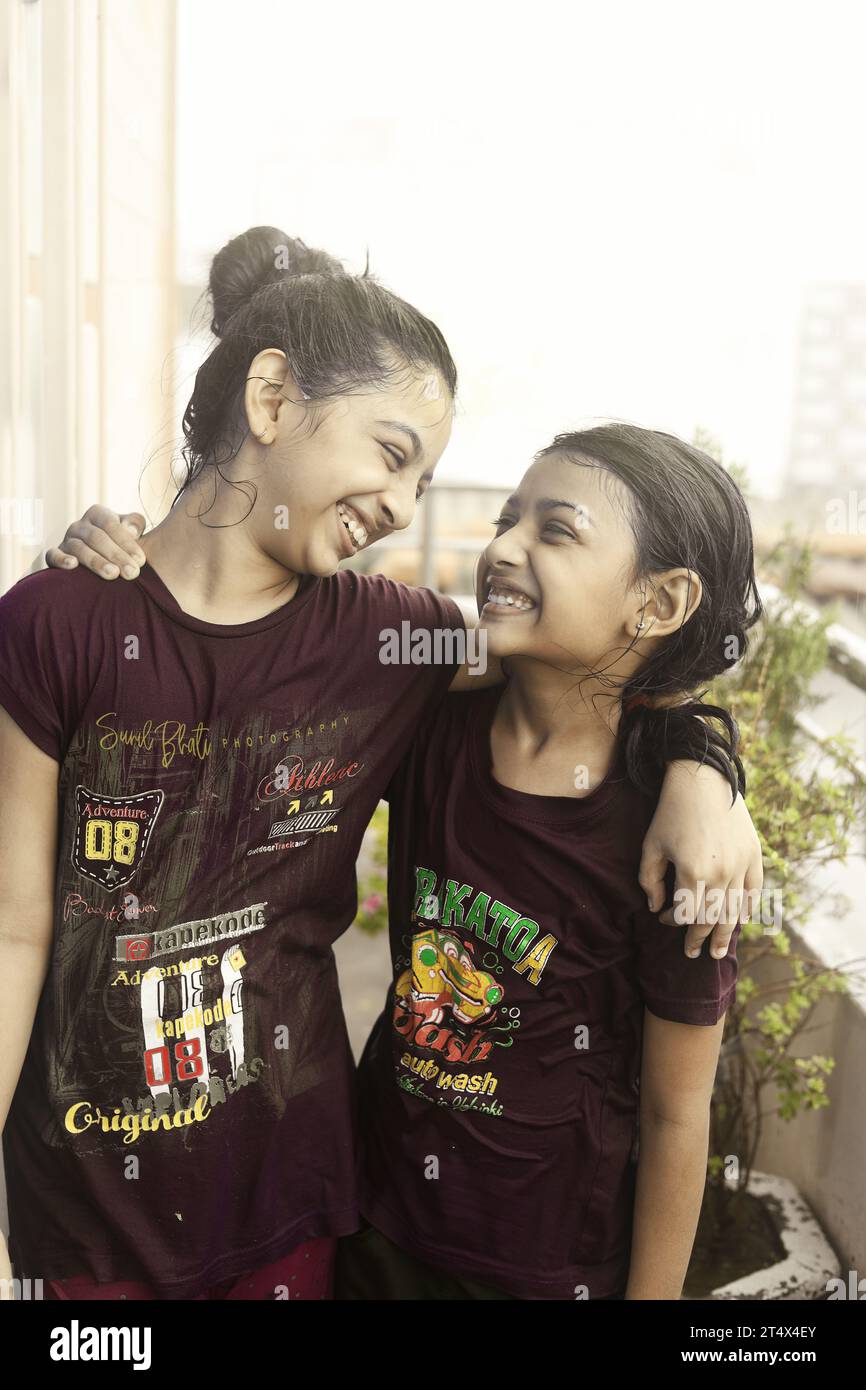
column 185, row 1109
column 499, row 1089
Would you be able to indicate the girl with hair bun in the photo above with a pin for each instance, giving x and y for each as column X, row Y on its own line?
column 197, row 755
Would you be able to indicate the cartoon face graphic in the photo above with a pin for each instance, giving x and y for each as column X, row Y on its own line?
column 444, row 976
column 475, row 993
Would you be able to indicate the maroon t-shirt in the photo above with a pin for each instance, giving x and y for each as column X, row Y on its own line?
column 185, row 1109
column 500, row 1087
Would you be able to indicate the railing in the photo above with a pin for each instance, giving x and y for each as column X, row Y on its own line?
column 847, row 654
column 422, row 534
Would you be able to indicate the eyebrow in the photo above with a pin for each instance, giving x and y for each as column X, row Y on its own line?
column 411, row 434
column 546, row 503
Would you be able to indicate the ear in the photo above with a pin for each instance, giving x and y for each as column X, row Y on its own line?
column 672, row 597
column 273, row 400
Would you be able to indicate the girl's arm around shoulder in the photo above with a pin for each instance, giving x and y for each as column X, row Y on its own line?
column 716, row 852
column 479, row 670
column 101, row 541
column 678, row 1071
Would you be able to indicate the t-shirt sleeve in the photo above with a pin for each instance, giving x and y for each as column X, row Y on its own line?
column 34, row 689
column 421, row 637
column 413, row 640
column 404, row 774
column 675, row 986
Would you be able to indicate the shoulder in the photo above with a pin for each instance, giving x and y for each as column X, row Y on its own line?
column 633, row 804
column 47, row 651
column 390, row 600
column 453, row 717
column 31, row 591
column 63, row 592
column 624, row 824
column 54, row 612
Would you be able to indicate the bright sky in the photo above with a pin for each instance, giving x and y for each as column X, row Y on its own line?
column 609, row 210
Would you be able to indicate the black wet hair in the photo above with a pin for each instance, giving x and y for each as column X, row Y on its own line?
column 340, row 333
column 685, row 511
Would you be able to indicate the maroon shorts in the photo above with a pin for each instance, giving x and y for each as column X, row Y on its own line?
column 307, row 1272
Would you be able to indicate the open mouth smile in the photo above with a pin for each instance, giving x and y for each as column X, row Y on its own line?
column 505, row 600
column 354, row 528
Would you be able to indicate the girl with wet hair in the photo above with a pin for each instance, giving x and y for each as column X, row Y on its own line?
column 535, row 1095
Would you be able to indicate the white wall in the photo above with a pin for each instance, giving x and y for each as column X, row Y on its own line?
column 87, row 301
column 87, row 297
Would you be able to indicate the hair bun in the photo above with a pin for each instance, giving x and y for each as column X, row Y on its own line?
column 257, row 257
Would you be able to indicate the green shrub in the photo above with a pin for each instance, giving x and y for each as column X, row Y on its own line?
column 806, row 802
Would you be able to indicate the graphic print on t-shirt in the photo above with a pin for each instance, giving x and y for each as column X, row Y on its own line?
column 451, row 1001
column 156, row 1025
column 286, row 782
column 111, row 834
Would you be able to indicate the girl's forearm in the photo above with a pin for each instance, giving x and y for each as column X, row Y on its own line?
column 25, row 949
column 671, row 1177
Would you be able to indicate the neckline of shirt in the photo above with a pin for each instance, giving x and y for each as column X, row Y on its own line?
column 158, row 591
column 539, row 809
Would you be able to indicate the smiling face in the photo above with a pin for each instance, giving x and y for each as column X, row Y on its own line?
column 355, row 477
column 556, row 583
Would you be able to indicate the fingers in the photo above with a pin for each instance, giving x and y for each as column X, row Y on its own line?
column 102, row 542
column 727, row 920
column 689, row 909
column 57, row 559
column 707, row 910
column 754, row 880
column 651, row 877
column 135, row 524
column 704, row 909
column 742, row 903
column 716, row 907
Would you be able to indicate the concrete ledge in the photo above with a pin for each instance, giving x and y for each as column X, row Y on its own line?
column 810, row 1261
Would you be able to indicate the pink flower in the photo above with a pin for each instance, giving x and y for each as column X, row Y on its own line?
column 372, row 903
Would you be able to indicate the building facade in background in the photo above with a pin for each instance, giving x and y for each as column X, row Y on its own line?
column 828, row 437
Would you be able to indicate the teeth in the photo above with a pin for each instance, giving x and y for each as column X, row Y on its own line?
column 352, row 525
column 509, row 600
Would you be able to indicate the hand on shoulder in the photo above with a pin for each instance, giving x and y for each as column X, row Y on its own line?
column 103, row 542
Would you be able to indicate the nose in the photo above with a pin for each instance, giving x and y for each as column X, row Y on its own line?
column 398, row 505
column 507, row 549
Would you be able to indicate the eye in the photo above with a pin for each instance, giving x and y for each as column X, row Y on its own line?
column 500, row 521
column 560, row 529
column 397, row 456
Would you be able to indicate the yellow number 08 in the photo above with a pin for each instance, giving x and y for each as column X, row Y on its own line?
column 104, row 839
